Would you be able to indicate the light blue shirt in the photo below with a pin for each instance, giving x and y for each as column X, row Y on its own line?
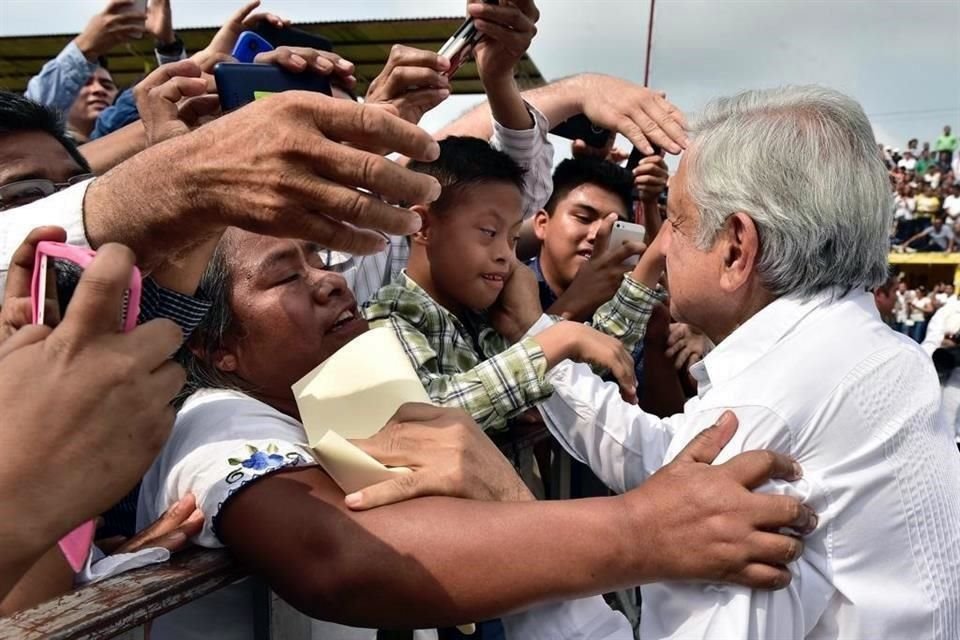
column 60, row 80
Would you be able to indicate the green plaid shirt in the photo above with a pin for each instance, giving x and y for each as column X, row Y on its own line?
column 467, row 364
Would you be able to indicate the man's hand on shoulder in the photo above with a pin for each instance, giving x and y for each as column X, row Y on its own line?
column 707, row 524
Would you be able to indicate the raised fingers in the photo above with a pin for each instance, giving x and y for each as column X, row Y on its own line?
column 367, row 127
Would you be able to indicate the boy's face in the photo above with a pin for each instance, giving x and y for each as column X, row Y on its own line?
column 472, row 245
column 570, row 234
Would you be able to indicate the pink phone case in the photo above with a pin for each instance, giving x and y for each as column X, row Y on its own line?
column 75, row 546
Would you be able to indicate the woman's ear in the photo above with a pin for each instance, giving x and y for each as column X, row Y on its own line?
column 423, row 235
column 223, row 359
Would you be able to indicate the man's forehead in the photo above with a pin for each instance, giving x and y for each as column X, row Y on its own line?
column 35, row 154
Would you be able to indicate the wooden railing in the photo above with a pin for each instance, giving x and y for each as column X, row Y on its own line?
column 125, row 602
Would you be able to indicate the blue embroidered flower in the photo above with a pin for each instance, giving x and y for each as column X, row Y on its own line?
column 259, row 460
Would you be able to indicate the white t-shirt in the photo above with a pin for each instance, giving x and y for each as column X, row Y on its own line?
column 951, row 204
column 909, row 164
column 904, row 207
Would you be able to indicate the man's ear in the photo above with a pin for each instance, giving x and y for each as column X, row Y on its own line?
column 741, row 250
column 540, row 221
column 422, row 236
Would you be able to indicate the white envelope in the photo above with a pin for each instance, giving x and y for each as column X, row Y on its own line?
column 352, row 395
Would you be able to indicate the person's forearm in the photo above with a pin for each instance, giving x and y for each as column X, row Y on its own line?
column 152, row 218
column 662, row 393
column 652, row 221
column 558, row 101
column 107, row 152
column 49, row 577
column 506, row 104
column 428, row 562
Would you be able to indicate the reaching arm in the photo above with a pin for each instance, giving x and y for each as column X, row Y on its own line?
column 473, row 562
column 917, row 236
column 640, row 114
column 60, row 79
column 108, row 151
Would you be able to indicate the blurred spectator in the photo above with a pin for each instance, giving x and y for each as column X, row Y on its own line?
column 97, row 93
column 932, row 176
column 946, row 145
column 951, row 205
column 936, row 237
column 928, row 203
column 908, row 162
column 61, row 79
column 924, row 161
column 885, row 297
column 901, row 308
column 920, row 306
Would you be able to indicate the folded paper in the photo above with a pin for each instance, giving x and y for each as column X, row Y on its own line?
column 352, row 395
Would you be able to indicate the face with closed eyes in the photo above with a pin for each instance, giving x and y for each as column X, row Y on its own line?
column 290, row 313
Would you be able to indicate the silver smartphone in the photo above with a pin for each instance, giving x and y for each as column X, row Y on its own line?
column 460, row 45
column 624, row 232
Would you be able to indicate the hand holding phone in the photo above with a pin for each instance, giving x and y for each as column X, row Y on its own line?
column 460, row 45
column 75, row 546
column 249, row 44
column 624, row 232
column 239, row 84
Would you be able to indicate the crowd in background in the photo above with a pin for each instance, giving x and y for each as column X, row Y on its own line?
column 271, row 237
column 926, row 188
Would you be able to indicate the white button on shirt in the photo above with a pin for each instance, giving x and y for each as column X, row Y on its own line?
column 826, row 382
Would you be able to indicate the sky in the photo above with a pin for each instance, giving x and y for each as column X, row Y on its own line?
column 899, row 58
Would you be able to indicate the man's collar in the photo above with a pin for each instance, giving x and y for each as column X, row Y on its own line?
column 761, row 332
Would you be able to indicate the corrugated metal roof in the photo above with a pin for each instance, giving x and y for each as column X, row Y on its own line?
column 366, row 43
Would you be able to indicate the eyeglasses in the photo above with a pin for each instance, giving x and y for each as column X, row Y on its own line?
column 21, row 192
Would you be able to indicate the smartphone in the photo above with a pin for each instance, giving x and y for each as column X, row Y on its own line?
column 291, row 37
column 239, row 83
column 139, row 6
column 54, row 258
column 249, row 44
column 460, row 45
column 579, row 127
column 624, row 232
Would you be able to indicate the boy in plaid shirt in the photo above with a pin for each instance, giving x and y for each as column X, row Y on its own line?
column 447, row 307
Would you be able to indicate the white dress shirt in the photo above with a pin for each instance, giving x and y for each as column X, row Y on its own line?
column 826, row 382
column 62, row 209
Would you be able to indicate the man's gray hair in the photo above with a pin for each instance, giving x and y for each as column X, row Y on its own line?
column 802, row 162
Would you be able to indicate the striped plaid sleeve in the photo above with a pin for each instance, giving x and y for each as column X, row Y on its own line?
column 531, row 149
column 493, row 391
column 157, row 302
column 625, row 317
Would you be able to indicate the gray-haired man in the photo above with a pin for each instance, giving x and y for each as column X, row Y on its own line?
column 776, row 232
